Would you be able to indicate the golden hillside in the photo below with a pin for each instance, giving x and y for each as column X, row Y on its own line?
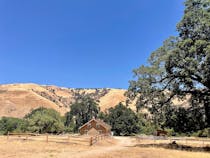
column 16, row 100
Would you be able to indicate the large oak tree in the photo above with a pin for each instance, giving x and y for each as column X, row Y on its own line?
column 181, row 67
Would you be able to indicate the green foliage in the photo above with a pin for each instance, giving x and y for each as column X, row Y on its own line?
column 123, row 120
column 170, row 132
column 70, row 128
column 184, row 120
column 178, row 69
column 69, row 123
column 44, row 120
column 81, row 112
column 146, row 126
column 10, row 124
column 202, row 133
column 103, row 116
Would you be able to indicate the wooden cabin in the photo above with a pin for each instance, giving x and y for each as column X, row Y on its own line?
column 95, row 127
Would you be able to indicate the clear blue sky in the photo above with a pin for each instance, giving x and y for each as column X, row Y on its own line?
column 81, row 43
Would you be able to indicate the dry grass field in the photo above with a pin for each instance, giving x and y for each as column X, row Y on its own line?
column 117, row 147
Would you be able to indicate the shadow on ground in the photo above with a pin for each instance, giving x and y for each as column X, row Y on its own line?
column 176, row 146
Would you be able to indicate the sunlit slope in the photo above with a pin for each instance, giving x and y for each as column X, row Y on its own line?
column 16, row 100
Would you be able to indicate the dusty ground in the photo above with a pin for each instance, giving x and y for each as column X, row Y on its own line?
column 118, row 147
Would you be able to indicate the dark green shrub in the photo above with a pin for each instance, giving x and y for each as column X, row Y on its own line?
column 10, row 124
column 43, row 120
column 123, row 120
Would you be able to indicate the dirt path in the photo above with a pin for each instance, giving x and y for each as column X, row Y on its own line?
column 118, row 147
column 98, row 150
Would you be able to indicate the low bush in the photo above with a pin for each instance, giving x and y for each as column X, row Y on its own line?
column 10, row 124
column 202, row 133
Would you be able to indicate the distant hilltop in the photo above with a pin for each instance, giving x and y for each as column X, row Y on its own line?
column 16, row 100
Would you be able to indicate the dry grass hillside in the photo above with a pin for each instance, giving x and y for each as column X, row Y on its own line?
column 16, row 100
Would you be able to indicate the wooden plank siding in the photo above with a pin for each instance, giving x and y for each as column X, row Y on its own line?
column 95, row 127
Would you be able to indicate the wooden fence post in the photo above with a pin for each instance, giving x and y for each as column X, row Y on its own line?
column 91, row 141
column 153, row 142
column 47, row 138
column 7, row 135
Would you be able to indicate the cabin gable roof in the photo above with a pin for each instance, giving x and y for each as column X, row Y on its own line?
column 100, row 122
